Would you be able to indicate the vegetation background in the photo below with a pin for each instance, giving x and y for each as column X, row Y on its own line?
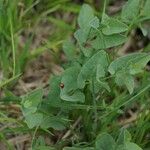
column 32, row 33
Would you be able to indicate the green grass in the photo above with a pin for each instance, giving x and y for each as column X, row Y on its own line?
column 18, row 17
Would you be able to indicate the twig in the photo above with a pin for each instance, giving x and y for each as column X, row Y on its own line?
column 128, row 121
column 19, row 139
column 67, row 134
column 123, row 49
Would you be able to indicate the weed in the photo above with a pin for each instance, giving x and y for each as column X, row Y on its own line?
column 84, row 89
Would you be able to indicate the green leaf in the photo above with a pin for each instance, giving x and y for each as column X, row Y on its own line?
column 126, row 66
column 144, row 30
column 94, row 23
column 114, row 26
column 40, row 144
column 75, row 148
column 86, row 20
column 29, row 110
column 138, row 63
column 135, row 62
column 32, row 99
column 34, row 120
column 56, row 123
column 86, row 51
column 104, row 85
column 120, row 147
column 88, row 70
column 105, row 41
column 85, row 16
column 105, row 142
column 70, row 91
column 124, row 137
column 99, row 74
column 124, row 78
column 100, row 71
column 146, row 9
column 132, row 146
column 130, row 10
column 30, row 103
column 123, row 142
column 44, row 148
column 81, row 36
column 105, row 19
column 54, row 93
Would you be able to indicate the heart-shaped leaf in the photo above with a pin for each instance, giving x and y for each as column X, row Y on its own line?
column 88, row 71
column 70, row 91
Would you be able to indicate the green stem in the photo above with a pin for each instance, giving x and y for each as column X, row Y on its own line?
column 13, row 48
column 4, row 83
column 94, row 105
column 33, row 138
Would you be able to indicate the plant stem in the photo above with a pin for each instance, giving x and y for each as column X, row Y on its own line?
column 33, row 138
column 94, row 105
column 13, row 48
